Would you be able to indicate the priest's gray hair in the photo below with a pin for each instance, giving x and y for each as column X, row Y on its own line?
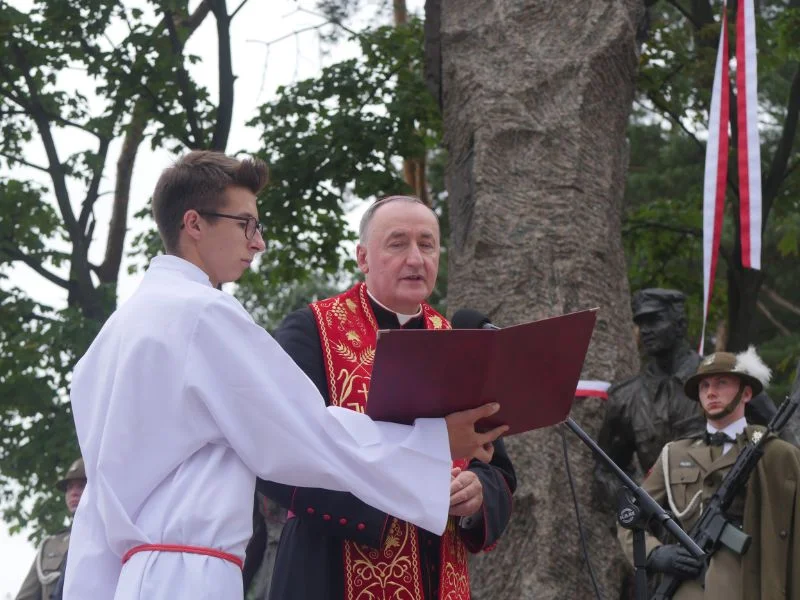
column 366, row 219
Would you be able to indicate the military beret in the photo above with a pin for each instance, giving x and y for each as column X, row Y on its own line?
column 654, row 300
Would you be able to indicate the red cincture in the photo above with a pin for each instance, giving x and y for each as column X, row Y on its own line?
column 348, row 331
column 213, row 552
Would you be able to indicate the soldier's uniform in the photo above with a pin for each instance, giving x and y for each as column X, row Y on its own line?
column 47, row 567
column 683, row 479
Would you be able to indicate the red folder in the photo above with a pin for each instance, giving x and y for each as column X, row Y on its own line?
column 532, row 370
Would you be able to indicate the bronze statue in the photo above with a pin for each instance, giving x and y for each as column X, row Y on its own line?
column 650, row 409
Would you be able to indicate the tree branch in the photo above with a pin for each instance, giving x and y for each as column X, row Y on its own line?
column 16, row 255
column 294, row 33
column 675, row 119
column 783, row 152
column 197, row 17
column 8, row 76
column 82, row 293
column 94, row 184
column 69, row 123
column 687, row 15
column 327, row 20
column 633, row 225
column 25, row 162
column 222, row 125
column 789, row 170
column 108, row 271
column 184, row 82
column 778, row 325
column 237, row 9
column 56, row 169
column 780, row 300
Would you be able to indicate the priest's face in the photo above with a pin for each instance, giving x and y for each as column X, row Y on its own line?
column 223, row 246
column 400, row 255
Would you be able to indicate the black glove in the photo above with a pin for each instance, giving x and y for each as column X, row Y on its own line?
column 675, row 560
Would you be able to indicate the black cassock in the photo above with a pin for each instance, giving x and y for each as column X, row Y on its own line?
column 309, row 561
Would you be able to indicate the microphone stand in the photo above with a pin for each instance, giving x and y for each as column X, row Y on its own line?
column 635, row 510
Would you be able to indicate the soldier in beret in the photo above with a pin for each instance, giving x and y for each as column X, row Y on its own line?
column 48, row 566
column 689, row 470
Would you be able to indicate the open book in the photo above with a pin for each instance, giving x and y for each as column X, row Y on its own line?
column 531, row 369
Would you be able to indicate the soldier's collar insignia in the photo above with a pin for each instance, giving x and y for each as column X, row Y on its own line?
column 686, row 463
column 756, row 437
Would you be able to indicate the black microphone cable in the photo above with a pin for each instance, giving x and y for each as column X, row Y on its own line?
column 584, row 545
column 467, row 318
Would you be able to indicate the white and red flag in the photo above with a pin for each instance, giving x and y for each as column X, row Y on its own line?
column 592, row 388
column 748, row 152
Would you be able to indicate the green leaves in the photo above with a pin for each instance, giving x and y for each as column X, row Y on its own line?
column 338, row 139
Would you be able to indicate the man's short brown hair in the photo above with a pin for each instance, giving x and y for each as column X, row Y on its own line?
column 198, row 180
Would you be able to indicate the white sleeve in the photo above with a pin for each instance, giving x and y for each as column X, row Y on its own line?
column 92, row 567
column 272, row 415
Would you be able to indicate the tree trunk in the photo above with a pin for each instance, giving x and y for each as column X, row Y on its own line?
column 536, row 98
column 743, row 287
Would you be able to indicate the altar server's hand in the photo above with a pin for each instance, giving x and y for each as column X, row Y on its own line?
column 466, row 494
column 465, row 442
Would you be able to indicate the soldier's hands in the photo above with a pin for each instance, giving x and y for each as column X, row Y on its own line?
column 466, row 494
column 675, row 560
column 467, row 443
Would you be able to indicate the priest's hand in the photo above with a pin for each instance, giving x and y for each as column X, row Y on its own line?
column 467, row 443
column 466, row 494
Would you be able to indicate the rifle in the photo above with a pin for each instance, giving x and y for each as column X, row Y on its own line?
column 713, row 529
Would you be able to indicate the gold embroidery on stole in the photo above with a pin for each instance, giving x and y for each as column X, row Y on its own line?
column 348, row 332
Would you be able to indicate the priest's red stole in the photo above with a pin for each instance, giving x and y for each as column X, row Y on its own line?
column 348, row 332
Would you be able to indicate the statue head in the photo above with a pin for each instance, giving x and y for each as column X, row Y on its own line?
column 661, row 317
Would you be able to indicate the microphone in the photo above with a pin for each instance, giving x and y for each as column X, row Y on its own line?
column 466, row 318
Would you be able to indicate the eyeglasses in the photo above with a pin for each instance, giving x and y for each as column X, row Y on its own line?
column 251, row 223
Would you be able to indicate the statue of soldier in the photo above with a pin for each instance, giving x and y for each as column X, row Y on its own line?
column 650, row 409
column 44, row 578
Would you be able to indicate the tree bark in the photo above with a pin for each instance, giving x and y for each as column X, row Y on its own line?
column 108, row 271
column 536, row 98
column 743, row 287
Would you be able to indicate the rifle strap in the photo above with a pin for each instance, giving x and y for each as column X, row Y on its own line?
column 668, row 485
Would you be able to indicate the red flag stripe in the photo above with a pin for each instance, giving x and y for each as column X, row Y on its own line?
column 716, row 170
column 741, row 120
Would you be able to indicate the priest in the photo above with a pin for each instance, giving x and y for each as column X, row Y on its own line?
column 359, row 549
